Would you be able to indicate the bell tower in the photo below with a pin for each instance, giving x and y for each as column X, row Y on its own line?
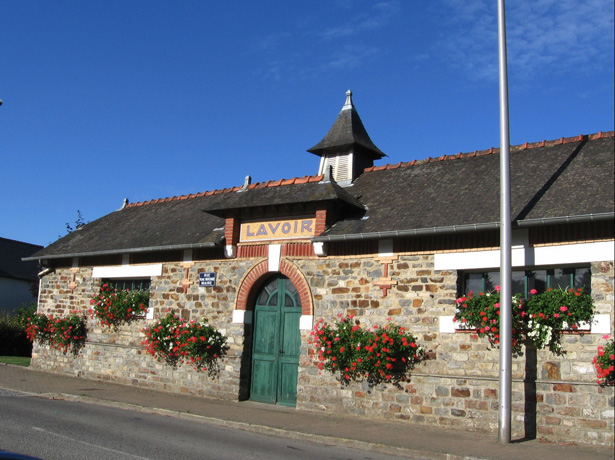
column 347, row 148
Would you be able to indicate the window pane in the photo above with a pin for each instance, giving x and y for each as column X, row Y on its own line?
column 524, row 281
column 473, row 282
column 262, row 298
column 518, row 283
column 142, row 284
column 561, row 278
column 537, row 279
column 582, row 279
column 273, row 301
column 289, row 300
column 492, row 280
column 292, row 296
column 268, row 288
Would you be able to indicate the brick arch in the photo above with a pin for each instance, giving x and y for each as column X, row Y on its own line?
column 255, row 277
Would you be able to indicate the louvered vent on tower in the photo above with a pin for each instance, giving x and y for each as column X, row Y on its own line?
column 341, row 164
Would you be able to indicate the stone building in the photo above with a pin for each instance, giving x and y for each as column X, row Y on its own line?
column 400, row 241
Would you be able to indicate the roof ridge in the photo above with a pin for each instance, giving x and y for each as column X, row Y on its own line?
column 270, row 183
column 492, row 150
column 318, row 178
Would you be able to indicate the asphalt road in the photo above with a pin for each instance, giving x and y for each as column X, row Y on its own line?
column 62, row 430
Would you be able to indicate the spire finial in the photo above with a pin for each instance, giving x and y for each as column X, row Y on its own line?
column 348, row 104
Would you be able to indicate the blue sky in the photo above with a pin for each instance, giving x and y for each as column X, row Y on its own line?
column 149, row 99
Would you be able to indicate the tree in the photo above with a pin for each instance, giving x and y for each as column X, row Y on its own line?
column 80, row 222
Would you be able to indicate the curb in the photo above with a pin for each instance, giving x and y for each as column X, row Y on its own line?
column 261, row 429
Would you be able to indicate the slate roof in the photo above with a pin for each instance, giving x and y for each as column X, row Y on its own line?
column 559, row 179
column 11, row 265
column 347, row 131
column 570, row 178
column 310, row 192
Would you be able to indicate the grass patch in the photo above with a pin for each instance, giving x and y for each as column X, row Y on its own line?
column 16, row 360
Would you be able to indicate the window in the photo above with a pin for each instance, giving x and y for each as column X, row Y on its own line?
column 524, row 281
column 132, row 284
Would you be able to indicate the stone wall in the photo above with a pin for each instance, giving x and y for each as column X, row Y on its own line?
column 554, row 398
column 119, row 356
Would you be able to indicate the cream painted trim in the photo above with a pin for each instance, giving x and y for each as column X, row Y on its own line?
column 306, row 322
column 320, row 248
column 447, row 325
column 601, row 324
column 242, row 317
column 275, row 251
column 127, row 271
column 525, row 256
column 230, row 251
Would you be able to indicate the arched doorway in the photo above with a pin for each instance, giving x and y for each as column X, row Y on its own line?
column 277, row 342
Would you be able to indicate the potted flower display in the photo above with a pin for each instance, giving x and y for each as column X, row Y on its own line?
column 174, row 340
column 63, row 333
column 113, row 307
column 541, row 319
column 604, row 362
column 376, row 355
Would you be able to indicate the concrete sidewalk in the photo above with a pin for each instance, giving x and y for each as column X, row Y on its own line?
column 415, row 441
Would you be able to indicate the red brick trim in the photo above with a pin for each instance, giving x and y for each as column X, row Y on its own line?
column 321, row 222
column 255, row 277
column 231, row 231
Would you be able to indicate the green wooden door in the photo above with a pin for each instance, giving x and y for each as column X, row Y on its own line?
column 277, row 342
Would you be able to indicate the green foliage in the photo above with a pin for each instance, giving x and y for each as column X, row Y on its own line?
column 113, row 308
column 481, row 313
column 604, row 362
column 553, row 311
column 174, row 340
column 63, row 333
column 25, row 311
column 79, row 222
column 13, row 338
column 378, row 355
column 542, row 318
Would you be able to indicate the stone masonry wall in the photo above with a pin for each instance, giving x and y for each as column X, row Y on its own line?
column 554, row 398
column 119, row 355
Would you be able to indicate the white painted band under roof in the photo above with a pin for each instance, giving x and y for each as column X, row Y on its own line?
column 127, row 271
column 173, row 247
column 561, row 254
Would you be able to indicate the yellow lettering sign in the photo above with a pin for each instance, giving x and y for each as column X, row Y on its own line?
column 277, row 230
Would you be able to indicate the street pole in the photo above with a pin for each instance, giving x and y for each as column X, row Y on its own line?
column 504, row 416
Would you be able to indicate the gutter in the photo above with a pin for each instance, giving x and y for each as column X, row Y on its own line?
column 465, row 228
column 174, row 247
column 599, row 217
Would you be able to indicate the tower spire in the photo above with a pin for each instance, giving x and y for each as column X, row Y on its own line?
column 347, row 147
column 348, row 104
